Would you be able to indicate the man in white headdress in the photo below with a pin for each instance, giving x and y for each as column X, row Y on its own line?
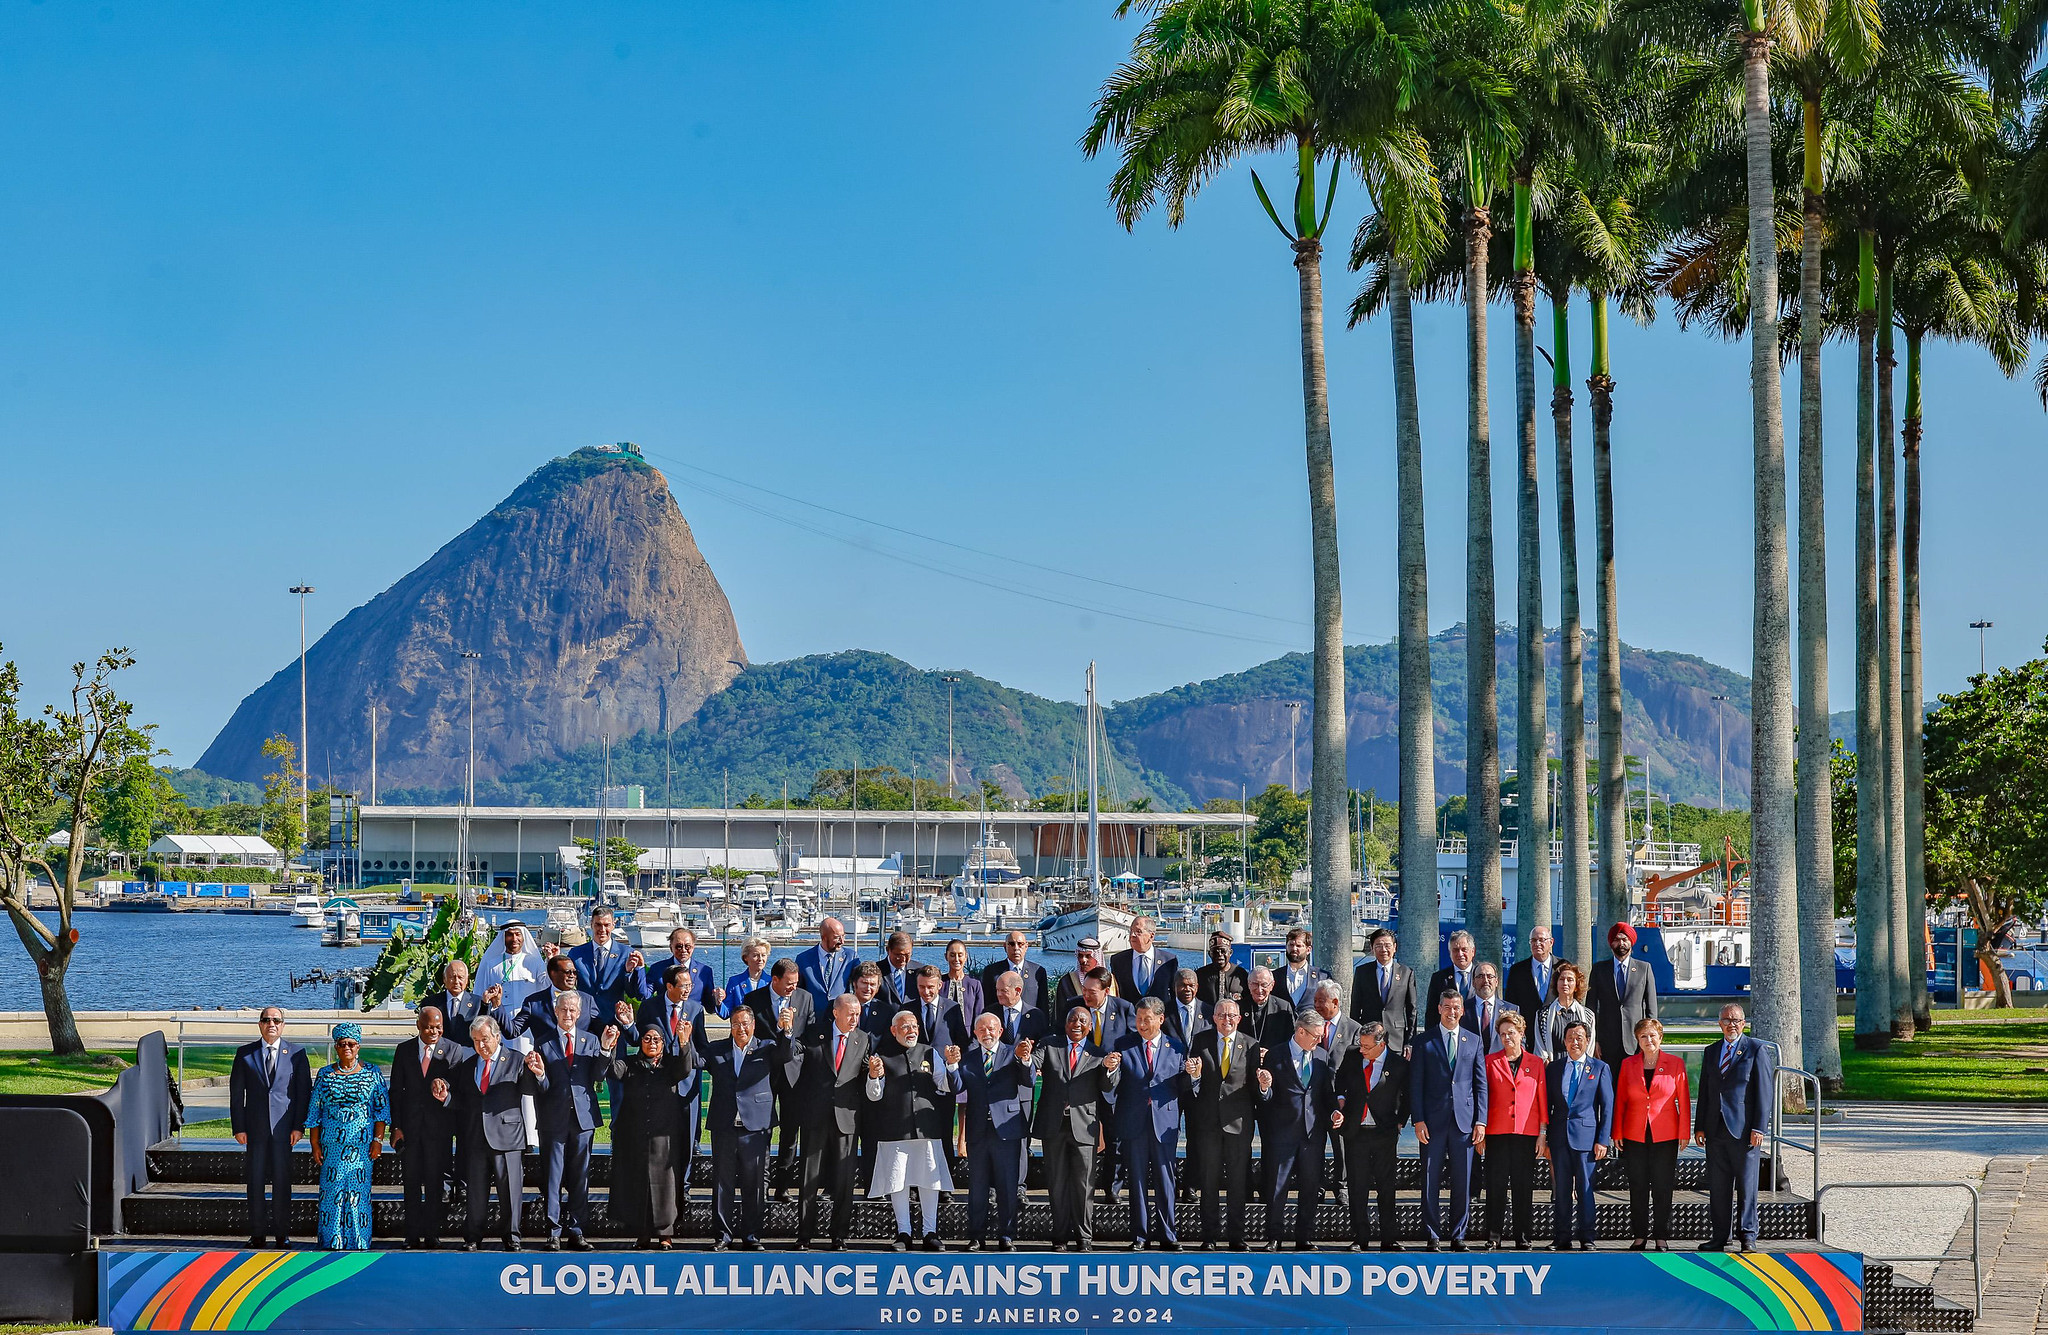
column 512, row 970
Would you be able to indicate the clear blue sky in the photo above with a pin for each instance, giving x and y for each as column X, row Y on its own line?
column 296, row 294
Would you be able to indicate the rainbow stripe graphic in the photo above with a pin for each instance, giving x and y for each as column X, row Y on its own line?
column 219, row 1290
column 1774, row 1290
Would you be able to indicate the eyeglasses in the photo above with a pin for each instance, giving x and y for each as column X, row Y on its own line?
column 270, row 1019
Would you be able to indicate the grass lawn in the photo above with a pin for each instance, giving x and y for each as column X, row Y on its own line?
column 1959, row 1060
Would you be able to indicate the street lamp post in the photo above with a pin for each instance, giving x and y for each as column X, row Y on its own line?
column 1980, row 627
column 305, row 764
column 1293, row 728
column 469, row 781
column 1721, row 731
column 951, row 682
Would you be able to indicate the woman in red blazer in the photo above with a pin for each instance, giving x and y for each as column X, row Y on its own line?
column 1517, row 1108
column 1652, row 1118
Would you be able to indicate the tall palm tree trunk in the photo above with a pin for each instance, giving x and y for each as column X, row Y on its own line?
column 1888, row 662
column 1575, row 883
column 1873, row 909
column 1774, row 909
column 1533, row 907
column 1482, row 704
column 1912, row 709
column 1330, row 861
column 1607, row 677
column 1418, row 711
column 1816, row 796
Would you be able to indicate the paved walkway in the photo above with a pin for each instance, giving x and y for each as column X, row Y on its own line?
column 2014, row 1242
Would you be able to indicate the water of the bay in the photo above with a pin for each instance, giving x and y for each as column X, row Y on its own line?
column 176, row 961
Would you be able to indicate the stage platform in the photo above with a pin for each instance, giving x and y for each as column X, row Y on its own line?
column 192, row 1289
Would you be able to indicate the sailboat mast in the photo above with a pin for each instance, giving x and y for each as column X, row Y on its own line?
column 1094, row 809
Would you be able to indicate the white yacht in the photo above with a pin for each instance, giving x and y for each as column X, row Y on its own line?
column 306, row 911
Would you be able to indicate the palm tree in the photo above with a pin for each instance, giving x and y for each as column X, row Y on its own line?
column 1209, row 82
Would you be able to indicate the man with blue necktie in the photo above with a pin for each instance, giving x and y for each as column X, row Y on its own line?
column 270, row 1088
column 1144, row 970
column 1147, row 1104
column 1297, row 1111
column 899, row 973
column 1580, row 1092
column 1383, row 989
column 1622, row 993
column 1484, row 1008
column 826, row 969
column 1457, row 978
column 1020, row 1022
column 1297, row 978
column 1186, row 1016
column 606, row 969
column 1447, row 1098
column 682, row 951
column 1729, row 1119
column 1528, row 985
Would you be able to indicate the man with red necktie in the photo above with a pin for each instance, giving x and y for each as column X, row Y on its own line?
column 1068, row 1123
column 827, row 1095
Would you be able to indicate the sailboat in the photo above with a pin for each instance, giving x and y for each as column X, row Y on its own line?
column 1077, row 920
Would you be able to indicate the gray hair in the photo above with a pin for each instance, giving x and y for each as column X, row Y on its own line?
column 1262, row 969
column 1186, row 973
column 484, row 1024
column 752, row 942
column 1153, row 1006
column 569, row 1001
column 1329, row 987
column 1458, row 936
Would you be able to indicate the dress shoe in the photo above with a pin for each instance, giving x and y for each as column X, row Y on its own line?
column 1360, row 1246
column 1079, row 1247
column 411, row 1245
column 1169, row 1246
column 255, row 1244
column 902, row 1242
column 1586, row 1245
column 1305, row 1247
column 1745, row 1244
column 974, row 1244
column 1391, row 1247
column 1458, row 1245
column 751, row 1245
column 1711, row 1247
column 469, row 1246
column 514, row 1245
column 803, row 1244
column 1429, row 1244
column 578, row 1243
column 1137, row 1244
column 722, row 1245
column 835, row 1244
column 1005, row 1245
column 933, row 1243
column 1521, row 1244
column 1273, row 1246
column 554, row 1244
column 1639, row 1245
column 1660, row 1245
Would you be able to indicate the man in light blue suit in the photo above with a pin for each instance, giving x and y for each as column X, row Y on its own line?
column 826, row 969
column 1580, row 1091
column 1447, row 1093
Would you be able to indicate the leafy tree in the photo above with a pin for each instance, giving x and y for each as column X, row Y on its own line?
column 1987, row 803
column 281, row 823
column 411, row 962
column 52, row 768
column 134, row 804
column 621, row 854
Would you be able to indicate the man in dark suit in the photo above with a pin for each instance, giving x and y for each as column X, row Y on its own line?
column 422, row 1131
column 1372, row 1093
column 1447, row 1099
column 1297, row 1100
column 575, row 1064
column 1731, row 1113
column 1484, row 1008
column 1019, row 1019
column 1623, row 991
column 939, row 1022
column 1187, row 1018
column 828, row 1100
column 899, row 972
column 1034, row 991
column 1221, row 1115
column 270, row 1087
column 682, row 954
column 995, row 1120
column 1147, row 1105
column 536, row 1015
column 1220, row 978
column 457, row 1004
column 1267, row 1016
column 783, row 996
column 485, row 1090
column 1457, row 978
column 826, row 969
column 1110, row 1017
column 1580, row 1091
column 742, row 1113
column 1383, row 989
column 1528, row 989
column 875, row 1013
column 1297, row 978
column 1340, row 1036
column 1144, row 970
column 605, row 965
column 1068, row 1123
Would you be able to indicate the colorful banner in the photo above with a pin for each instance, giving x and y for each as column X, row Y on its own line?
column 150, row 1290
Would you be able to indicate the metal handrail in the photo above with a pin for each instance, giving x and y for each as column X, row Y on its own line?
column 213, row 1032
column 1976, row 1240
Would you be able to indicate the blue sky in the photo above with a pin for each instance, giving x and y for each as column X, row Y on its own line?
column 299, row 293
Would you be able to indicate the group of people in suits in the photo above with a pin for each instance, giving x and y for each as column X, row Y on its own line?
column 880, row 1072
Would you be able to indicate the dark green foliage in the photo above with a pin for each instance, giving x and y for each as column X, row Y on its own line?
column 410, row 963
column 556, row 476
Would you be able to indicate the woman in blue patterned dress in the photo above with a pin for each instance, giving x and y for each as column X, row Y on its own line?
column 346, row 1124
